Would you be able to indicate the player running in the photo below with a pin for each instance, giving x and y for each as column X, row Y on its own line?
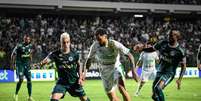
column 171, row 54
column 69, row 71
column 106, row 52
column 148, row 61
column 21, row 57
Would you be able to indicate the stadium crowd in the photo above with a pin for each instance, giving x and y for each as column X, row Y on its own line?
column 184, row 2
column 45, row 32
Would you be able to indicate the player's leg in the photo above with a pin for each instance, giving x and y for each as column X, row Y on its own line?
column 155, row 95
column 110, row 88
column 77, row 90
column 27, row 73
column 112, row 96
column 58, row 92
column 122, row 89
column 144, row 78
column 161, row 83
column 20, row 75
column 140, row 85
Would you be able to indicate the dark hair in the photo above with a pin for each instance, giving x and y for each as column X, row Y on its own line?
column 27, row 35
column 101, row 32
column 178, row 32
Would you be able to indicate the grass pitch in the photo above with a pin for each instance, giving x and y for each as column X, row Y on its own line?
column 190, row 91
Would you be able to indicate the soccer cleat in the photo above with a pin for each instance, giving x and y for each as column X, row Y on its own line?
column 137, row 93
column 30, row 99
column 15, row 97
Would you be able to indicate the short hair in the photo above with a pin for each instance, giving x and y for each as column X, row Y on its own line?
column 65, row 34
column 177, row 31
column 101, row 32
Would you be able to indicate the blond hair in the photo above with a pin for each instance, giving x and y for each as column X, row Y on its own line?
column 62, row 36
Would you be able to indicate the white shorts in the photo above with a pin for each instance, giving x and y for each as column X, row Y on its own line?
column 109, row 76
column 148, row 75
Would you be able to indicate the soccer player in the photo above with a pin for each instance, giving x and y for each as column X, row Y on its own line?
column 121, row 80
column 148, row 61
column 171, row 54
column 21, row 57
column 199, row 58
column 105, row 52
column 69, row 71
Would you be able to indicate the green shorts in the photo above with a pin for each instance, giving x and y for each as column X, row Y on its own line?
column 23, row 70
column 74, row 90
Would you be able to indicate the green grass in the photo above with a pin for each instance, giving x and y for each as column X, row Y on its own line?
column 190, row 91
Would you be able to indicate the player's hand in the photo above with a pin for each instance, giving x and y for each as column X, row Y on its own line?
column 178, row 82
column 199, row 66
column 138, row 47
column 36, row 65
column 81, row 81
column 13, row 66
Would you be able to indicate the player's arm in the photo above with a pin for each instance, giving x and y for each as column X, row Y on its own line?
column 13, row 57
column 134, row 69
column 126, row 51
column 199, row 58
column 87, row 64
column 183, row 69
column 80, row 73
column 139, row 62
column 155, row 47
column 46, row 60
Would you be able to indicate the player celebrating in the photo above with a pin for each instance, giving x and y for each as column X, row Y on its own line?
column 199, row 58
column 148, row 60
column 105, row 52
column 21, row 57
column 68, row 66
column 171, row 54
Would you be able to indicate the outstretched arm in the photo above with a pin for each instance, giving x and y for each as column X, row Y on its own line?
column 134, row 69
column 43, row 62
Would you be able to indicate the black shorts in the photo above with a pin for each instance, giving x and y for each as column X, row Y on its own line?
column 74, row 90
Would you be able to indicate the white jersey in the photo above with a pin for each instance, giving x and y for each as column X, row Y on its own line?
column 106, row 57
column 148, row 59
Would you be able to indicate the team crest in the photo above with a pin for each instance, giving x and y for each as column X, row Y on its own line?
column 172, row 53
column 70, row 58
column 60, row 55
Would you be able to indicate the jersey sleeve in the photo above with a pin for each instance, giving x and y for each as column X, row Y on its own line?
column 158, row 45
column 15, row 50
column 156, row 56
column 77, row 56
column 92, row 50
column 141, row 56
column 121, row 47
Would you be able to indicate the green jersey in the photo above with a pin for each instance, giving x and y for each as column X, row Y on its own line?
column 23, row 53
column 170, row 57
column 67, row 66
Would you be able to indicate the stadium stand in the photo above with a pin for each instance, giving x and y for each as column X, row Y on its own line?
column 184, row 2
column 128, row 30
